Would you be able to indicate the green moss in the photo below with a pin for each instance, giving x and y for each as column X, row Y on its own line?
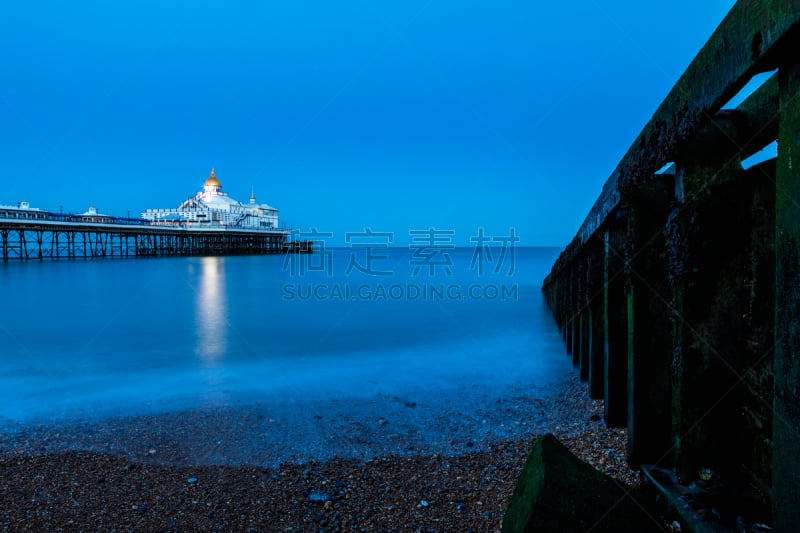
column 558, row 492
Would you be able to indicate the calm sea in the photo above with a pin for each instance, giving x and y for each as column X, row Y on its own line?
column 92, row 340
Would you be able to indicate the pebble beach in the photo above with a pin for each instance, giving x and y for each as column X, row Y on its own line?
column 125, row 477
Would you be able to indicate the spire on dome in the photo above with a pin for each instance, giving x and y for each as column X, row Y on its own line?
column 252, row 195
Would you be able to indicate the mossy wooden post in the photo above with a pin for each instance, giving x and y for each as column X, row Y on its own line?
column 595, row 249
column 575, row 309
column 570, row 310
column 556, row 491
column 557, row 287
column 615, row 335
column 566, row 295
column 649, row 347
column 702, row 237
column 786, row 403
column 561, row 296
column 751, row 202
column 578, row 360
column 585, row 318
column 756, row 335
column 552, row 291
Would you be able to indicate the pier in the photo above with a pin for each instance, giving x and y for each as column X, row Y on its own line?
column 209, row 223
column 50, row 238
column 679, row 296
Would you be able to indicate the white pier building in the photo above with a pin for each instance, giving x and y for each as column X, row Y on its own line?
column 213, row 208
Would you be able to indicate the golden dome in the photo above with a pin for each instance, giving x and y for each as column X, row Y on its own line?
column 212, row 180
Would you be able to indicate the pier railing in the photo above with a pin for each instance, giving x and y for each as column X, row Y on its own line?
column 679, row 297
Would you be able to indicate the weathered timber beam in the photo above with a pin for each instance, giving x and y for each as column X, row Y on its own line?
column 755, row 36
column 735, row 133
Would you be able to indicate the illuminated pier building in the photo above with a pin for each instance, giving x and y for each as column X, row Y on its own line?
column 213, row 208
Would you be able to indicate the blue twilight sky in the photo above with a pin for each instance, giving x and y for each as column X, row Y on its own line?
column 344, row 115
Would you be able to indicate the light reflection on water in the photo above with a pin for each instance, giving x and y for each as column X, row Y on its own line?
column 212, row 312
column 101, row 339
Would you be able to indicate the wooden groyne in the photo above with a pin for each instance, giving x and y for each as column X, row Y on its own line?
column 23, row 240
column 679, row 297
